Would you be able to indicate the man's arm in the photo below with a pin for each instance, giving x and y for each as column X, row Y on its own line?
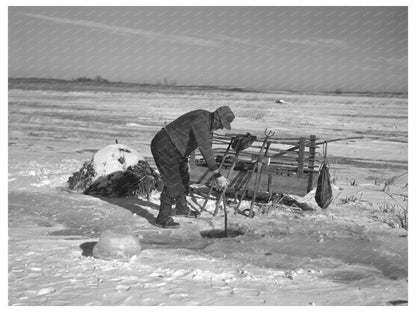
column 202, row 136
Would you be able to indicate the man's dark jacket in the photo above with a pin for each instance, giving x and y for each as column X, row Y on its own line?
column 192, row 130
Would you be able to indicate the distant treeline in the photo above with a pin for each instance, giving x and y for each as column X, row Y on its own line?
column 101, row 84
column 340, row 91
column 96, row 79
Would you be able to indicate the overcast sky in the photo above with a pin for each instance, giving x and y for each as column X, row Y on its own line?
column 279, row 48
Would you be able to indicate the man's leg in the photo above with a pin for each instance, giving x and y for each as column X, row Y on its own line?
column 181, row 207
column 165, row 209
column 181, row 203
column 167, row 161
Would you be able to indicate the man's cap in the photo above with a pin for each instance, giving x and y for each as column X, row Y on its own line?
column 226, row 116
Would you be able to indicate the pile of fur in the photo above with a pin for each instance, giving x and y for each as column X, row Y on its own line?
column 83, row 178
column 138, row 180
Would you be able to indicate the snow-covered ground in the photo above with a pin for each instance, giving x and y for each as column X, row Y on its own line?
column 353, row 253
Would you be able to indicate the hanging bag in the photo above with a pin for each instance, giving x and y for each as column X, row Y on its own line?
column 323, row 195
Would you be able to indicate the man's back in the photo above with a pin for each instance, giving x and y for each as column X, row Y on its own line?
column 190, row 131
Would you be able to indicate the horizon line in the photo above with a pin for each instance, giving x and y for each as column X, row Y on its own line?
column 336, row 91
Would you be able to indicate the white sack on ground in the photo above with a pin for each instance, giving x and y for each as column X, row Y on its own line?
column 115, row 157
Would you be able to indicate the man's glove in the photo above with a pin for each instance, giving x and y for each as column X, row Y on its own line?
column 222, row 181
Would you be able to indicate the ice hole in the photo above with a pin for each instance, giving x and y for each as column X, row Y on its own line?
column 216, row 233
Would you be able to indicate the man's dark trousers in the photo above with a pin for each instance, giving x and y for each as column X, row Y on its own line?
column 173, row 168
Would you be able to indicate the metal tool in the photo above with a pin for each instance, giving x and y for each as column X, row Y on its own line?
column 243, row 194
column 225, row 218
column 239, row 143
column 222, row 196
column 219, row 168
column 257, row 166
column 260, row 159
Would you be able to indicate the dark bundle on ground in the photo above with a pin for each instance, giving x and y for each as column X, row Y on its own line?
column 83, row 178
column 241, row 142
column 137, row 180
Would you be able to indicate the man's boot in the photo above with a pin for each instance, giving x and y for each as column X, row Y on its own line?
column 182, row 208
column 163, row 219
